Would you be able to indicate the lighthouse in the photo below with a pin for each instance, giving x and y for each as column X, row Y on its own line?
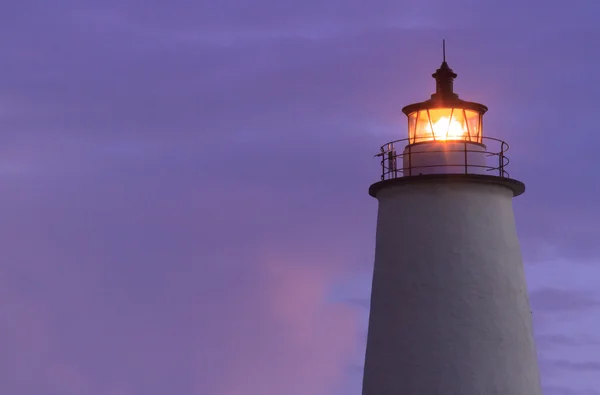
column 449, row 312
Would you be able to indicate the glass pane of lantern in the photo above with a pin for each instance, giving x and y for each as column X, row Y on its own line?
column 474, row 123
column 412, row 123
column 440, row 124
column 452, row 126
column 422, row 131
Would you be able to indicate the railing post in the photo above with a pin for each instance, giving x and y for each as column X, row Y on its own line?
column 393, row 159
column 501, row 160
column 382, row 164
column 409, row 159
column 466, row 168
column 395, row 163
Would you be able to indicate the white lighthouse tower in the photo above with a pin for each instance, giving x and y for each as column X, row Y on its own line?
column 449, row 310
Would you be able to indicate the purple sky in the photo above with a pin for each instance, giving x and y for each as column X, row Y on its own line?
column 185, row 205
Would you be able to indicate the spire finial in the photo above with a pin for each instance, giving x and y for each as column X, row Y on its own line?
column 444, row 76
column 444, row 49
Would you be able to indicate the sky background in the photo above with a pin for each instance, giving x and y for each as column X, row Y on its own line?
column 184, row 183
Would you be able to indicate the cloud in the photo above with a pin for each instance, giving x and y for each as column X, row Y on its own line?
column 284, row 341
column 546, row 341
column 303, row 89
column 555, row 300
column 575, row 366
column 33, row 361
column 147, row 297
column 553, row 390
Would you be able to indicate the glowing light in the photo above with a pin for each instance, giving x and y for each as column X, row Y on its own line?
column 444, row 124
column 446, row 129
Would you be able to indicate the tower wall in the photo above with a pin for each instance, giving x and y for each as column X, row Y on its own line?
column 449, row 311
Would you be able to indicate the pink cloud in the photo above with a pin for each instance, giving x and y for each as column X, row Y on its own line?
column 34, row 355
column 290, row 339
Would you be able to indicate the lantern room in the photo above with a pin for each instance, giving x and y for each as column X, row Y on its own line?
column 445, row 117
column 444, row 124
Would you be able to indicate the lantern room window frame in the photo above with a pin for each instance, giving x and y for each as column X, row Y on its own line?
column 469, row 110
column 471, row 122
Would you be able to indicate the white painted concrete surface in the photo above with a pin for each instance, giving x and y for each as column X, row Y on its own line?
column 445, row 157
column 450, row 311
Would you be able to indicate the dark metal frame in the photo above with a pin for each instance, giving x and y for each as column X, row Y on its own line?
column 389, row 157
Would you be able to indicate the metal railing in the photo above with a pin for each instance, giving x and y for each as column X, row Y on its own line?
column 390, row 158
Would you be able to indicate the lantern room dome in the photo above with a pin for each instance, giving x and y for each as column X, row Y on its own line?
column 444, row 95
